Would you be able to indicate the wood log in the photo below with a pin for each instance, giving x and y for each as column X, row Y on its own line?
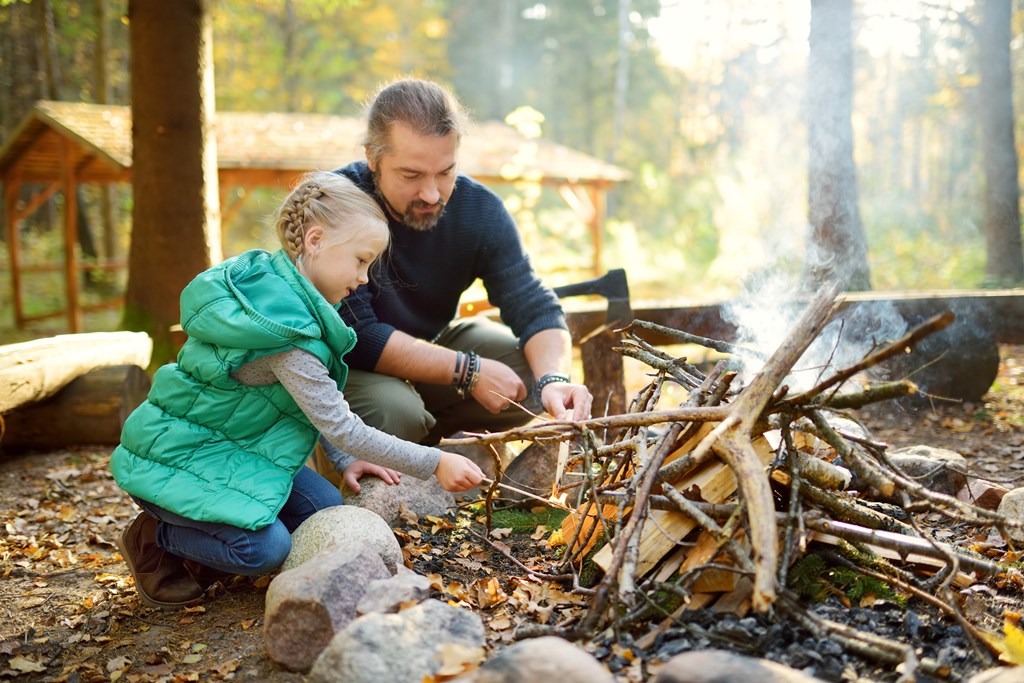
column 34, row 370
column 91, row 409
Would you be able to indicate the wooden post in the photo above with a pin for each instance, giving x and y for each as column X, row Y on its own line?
column 11, row 188
column 603, row 372
column 597, row 201
column 74, row 310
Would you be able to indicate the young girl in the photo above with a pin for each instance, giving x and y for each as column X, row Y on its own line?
column 216, row 454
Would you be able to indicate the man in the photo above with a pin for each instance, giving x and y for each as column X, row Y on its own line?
column 416, row 372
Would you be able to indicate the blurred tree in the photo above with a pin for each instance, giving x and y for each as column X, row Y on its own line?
column 1005, row 259
column 324, row 56
column 175, row 220
column 836, row 249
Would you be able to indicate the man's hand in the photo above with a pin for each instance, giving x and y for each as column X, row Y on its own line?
column 358, row 468
column 457, row 473
column 497, row 383
column 561, row 397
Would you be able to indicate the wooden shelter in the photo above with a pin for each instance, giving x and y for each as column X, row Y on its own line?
column 60, row 145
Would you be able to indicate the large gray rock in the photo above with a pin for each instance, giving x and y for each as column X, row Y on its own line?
column 533, row 471
column 541, row 659
column 308, row 605
column 419, row 496
column 343, row 525
column 720, row 666
column 398, row 648
column 484, row 456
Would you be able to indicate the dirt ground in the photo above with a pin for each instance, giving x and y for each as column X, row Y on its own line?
column 68, row 611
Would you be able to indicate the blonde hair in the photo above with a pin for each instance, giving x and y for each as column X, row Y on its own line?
column 333, row 202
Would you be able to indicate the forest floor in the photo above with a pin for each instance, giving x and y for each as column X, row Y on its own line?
column 68, row 610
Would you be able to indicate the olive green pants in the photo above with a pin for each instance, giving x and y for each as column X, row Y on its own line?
column 426, row 413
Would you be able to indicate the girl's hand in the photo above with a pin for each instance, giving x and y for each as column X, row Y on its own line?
column 358, row 468
column 457, row 473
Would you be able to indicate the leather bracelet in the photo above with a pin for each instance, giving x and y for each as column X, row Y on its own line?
column 551, row 378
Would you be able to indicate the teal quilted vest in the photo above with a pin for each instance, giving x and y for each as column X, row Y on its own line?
column 205, row 446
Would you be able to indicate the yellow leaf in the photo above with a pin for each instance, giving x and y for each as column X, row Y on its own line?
column 1014, row 642
column 488, row 592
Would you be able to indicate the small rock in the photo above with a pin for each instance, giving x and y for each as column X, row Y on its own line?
column 388, row 595
column 720, row 666
column 307, row 605
column 1012, row 506
column 541, row 659
column 937, row 469
column 400, row 648
column 343, row 525
column 984, row 494
column 1003, row 674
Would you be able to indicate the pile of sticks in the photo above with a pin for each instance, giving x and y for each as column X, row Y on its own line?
column 755, row 473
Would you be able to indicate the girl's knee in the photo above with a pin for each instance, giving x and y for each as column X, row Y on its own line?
column 267, row 553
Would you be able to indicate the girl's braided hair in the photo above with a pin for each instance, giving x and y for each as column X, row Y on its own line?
column 333, row 202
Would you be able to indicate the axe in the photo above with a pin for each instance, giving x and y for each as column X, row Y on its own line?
column 612, row 286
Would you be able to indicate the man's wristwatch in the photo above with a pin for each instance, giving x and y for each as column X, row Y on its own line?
column 550, row 378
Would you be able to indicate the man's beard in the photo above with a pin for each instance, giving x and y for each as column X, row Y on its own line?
column 410, row 217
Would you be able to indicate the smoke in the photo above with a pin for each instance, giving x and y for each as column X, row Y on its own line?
column 768, row 308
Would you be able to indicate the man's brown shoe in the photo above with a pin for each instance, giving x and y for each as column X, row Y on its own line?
column 160, row 577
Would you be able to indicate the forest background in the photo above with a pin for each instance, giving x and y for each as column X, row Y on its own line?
column 703, row 101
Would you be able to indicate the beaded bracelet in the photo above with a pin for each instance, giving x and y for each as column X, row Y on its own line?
column 467, row 372
column 550, row 378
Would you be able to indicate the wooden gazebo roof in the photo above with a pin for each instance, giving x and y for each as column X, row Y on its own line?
column 253, row 146
column 59, row 145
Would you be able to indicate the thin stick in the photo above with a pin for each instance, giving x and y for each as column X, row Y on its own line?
column 546, row 501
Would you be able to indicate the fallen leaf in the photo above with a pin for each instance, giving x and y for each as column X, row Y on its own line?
column 488, row 593
column 118, row 664
column 457, row 659
column 1014, row 642
column 503, row 532
column 500, row 623
column 25, row 664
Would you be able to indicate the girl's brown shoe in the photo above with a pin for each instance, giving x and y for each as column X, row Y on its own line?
column 160, row 577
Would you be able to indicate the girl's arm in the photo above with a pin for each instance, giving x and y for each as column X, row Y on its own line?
column 317, row 395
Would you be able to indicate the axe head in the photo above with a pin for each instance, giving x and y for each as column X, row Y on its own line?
column 613, row 286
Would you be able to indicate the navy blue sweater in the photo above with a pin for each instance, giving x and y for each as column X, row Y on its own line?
column 424, row 273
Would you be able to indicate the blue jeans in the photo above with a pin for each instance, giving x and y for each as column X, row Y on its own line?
column 241, row 551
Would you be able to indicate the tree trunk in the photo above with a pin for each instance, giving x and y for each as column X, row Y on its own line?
column 1004, row 265
column 175, row 217
column 836, row 247
column 102, row 94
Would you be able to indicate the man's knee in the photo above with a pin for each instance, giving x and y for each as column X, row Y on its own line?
column 390, row 405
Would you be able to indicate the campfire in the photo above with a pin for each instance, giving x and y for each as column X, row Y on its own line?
column 719, row 499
